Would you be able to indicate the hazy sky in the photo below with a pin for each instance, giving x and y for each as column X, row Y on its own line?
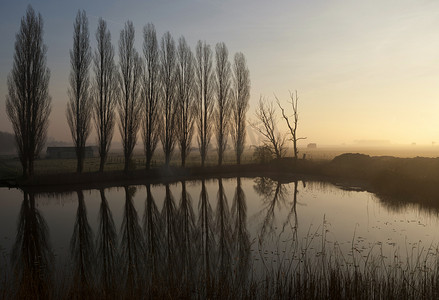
column 364, row 70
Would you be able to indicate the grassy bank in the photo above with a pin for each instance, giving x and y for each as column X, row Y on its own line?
column 402, row 178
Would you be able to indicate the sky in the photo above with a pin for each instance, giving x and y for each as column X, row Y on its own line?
column 363, row 70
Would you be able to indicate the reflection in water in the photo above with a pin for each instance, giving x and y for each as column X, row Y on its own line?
column 152, row 226
column 207, row 239
column 187, row 234
column 173, row 250
column 132, row 251
column 32, row 257
column 293, row 211
column 169, row 216
column 106, row 243
column 82, row 253
column 184, row 252
column 223, row 230
column 241, row 236
column 273, row 193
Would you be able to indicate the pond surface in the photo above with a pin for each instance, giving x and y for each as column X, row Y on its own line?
column 239, row 227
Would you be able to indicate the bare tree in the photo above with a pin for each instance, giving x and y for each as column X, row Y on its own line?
column 185, row 98
column 79, row 106
column 151, row 81
column 106, row 91
column 266, row 126
column 130, row 103
column 292, row 127
column 168, row 72
column 205, row 102
column 223, row 98
column 241, row 97
column 28, row 102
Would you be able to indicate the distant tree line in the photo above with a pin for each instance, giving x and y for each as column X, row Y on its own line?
column 167, row 94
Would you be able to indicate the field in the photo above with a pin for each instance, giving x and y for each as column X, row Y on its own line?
column 10, row 165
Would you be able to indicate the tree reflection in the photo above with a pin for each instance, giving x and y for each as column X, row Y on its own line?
column 241, row 236
column 293, row 211
column 273, row 193
column 152, row 226
column 187, row 233
column 132, row 249
column 206, row 238
column 223, row 229
column 107, row 255
column 32, row 257
column 169, row 216
column 82, row 253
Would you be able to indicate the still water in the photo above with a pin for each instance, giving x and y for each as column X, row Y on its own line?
column 238, row 227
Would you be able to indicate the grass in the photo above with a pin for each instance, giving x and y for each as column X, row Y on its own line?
column 10, row 167
column 304, row 268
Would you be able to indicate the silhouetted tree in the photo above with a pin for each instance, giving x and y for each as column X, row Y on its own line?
column 185, row 98
column 106, row 91
column 130, row 103
column 169, row 110
column 292, row 127
column 223, row 98
column 241, row 97
column 82, row 254
column 32, row 257
column 28, row 101
column 266, row 126
column 205, row 101
column 151, row 88
column 80, row 103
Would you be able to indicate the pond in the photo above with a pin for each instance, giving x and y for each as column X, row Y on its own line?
column 235, row 231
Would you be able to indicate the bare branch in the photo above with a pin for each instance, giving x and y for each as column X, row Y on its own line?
column 292, row 126
column 266, row 126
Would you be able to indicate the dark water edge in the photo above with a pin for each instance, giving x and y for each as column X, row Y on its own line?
column 397, row 179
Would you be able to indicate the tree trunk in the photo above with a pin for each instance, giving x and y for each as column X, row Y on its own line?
column 183, row 158
column 31, row 168
column 80, row 161
column 101, row 164
column 148, row 162
column 127, row 164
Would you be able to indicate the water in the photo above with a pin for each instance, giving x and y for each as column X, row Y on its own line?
column 230, row 227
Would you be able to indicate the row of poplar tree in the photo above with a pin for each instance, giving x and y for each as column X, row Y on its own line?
column 167, row 93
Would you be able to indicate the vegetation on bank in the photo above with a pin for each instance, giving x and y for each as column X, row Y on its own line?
column 407, row 178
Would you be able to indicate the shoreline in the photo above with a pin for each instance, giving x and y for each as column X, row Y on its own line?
column 413, row 179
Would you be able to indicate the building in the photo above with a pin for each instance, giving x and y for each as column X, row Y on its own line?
column 69, row 152
column 312, row 146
